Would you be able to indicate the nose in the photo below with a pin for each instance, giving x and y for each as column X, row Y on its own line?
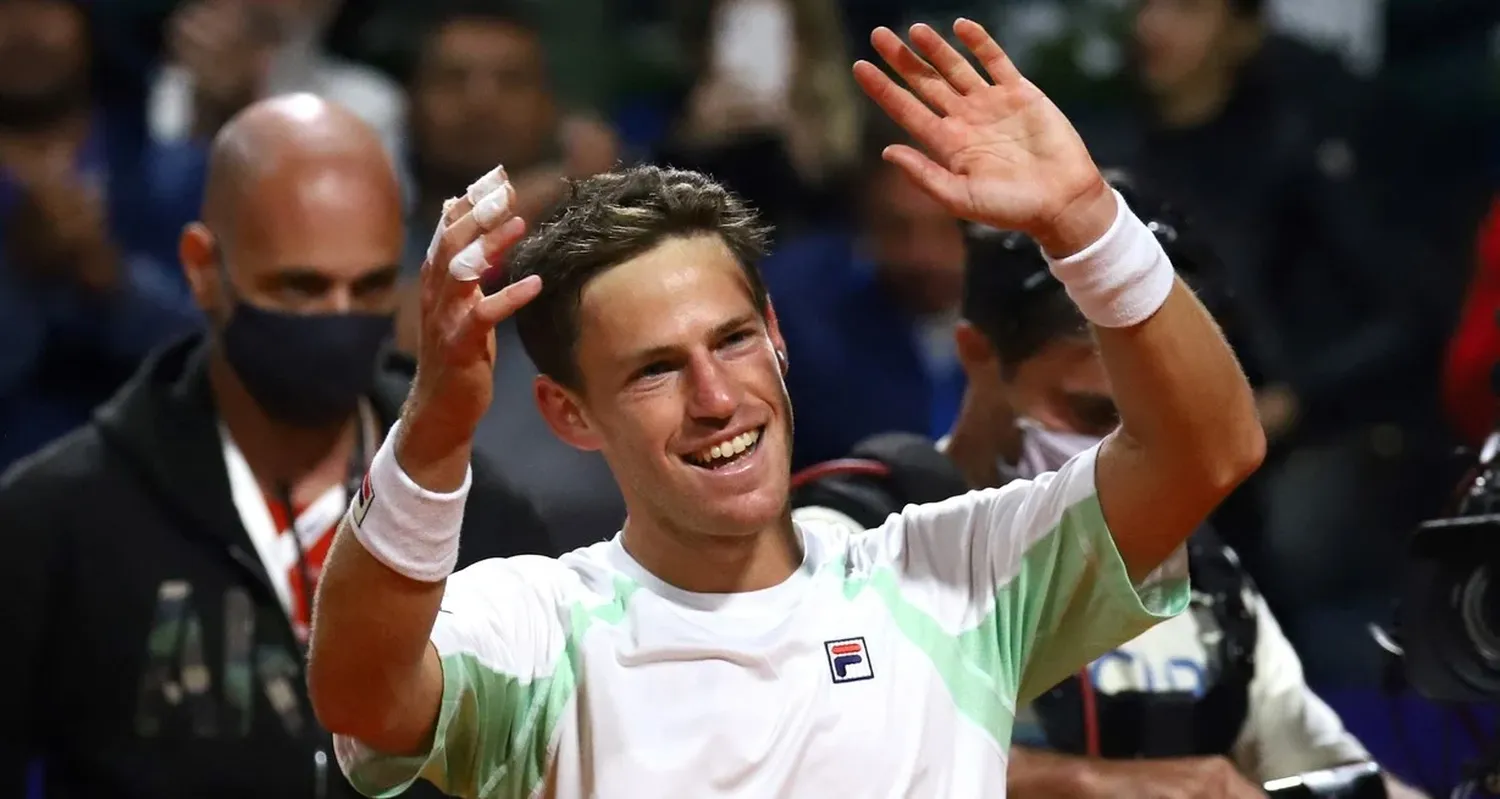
column 338, row 300
column 713, row 395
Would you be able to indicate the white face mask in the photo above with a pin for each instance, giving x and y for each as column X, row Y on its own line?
column 1044, row 450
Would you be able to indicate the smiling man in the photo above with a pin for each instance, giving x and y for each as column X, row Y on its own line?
column 714, row 647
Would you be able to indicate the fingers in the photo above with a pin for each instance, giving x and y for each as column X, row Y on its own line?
column 898, row 103
column 491, row 215
column 999, row 66
column 944, row 186
column 925, row 81
column 954, row 68
column 456, row 249
column 498, row 307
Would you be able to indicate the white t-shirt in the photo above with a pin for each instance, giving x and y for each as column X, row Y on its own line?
column 889, row 664
column 1288, row 730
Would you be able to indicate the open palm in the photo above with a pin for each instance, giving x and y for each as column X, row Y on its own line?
column 999, row 153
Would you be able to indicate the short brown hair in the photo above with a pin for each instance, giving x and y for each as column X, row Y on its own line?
column 609, row 219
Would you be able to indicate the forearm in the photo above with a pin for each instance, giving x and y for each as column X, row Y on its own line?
column 1037, row 774
column 372, row 671
column 1183, row 400
column 1188, row 433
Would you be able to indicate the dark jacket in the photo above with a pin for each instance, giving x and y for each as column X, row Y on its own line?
column 150, row 655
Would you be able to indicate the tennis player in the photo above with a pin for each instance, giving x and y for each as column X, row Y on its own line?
column 713, row 648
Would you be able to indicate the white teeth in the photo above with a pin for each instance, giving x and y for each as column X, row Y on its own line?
column 727, row 449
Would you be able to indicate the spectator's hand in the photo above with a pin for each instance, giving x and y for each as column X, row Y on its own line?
column 456, row 341
column 1278, row 408
column 62, row 224
column 1177, row 778
column 218, row 42
column 999, row 154
column 719, row 108
column 590, row 146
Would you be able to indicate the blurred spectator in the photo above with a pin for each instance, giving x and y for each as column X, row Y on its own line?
column 89, row 214
column 1472, row 369
column 171, row 547
column 481, row 96
column 225, row 54
column 1439, row 99
column 1341, row 334
column 772, row 111
column 870, row 312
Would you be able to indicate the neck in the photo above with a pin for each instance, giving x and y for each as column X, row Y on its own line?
column 984, row 434
column 304, row 461
column 706, row 564
column 1196, row 103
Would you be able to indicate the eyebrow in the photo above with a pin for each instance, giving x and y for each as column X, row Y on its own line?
column 719, row 331
column 306, row 272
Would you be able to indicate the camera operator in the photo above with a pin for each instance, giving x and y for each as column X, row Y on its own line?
column 1212, row 702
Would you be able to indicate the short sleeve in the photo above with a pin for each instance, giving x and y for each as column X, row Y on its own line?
column 501, row 635
column 1031, row 572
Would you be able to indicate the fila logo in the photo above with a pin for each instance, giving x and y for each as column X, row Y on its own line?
column 848, row 660
column 362, row 501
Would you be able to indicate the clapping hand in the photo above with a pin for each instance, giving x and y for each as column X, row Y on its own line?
column 998, row 153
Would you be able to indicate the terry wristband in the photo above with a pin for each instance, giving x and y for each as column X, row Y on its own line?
column 410, row 529
column 1121, row 279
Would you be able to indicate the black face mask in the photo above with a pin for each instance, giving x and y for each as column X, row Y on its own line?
column 306, row 370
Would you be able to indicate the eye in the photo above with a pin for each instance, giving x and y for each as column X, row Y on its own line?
column 739, row 337
column 653, row 369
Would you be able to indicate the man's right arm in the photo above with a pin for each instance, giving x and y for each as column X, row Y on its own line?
column 434, row 679
column 373, row 674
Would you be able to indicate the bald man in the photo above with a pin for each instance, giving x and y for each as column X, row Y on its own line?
column 158, row 598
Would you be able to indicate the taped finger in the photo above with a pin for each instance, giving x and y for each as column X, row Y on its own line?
column 486, row 185
column 487, row 251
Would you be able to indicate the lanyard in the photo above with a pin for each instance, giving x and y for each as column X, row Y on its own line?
column 358, row 463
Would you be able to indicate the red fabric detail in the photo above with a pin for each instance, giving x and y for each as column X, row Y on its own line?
column 1470, row 402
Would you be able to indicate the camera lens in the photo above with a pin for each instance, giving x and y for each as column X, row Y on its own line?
column 1479, row 607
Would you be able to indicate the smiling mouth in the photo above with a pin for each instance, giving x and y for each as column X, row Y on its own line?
column 722, row 454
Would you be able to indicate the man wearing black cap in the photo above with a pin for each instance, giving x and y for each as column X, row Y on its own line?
column 1212, row 702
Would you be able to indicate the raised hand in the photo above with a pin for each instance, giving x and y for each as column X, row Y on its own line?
column 456, row 340
column 999, row 153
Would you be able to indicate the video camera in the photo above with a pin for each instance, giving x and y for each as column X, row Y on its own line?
column 1449, row 618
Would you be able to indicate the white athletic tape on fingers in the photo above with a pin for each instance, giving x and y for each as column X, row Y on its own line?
column 1123, row 278
column 412, row 530
column 437, row 238
column 493, row 209
column 469, row 264
column 492, row 180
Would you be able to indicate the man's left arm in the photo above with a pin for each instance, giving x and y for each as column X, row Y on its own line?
column 998, row 152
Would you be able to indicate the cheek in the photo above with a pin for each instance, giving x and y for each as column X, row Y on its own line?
column 640, row 428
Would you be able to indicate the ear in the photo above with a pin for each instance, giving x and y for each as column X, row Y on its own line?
column 198, row 252
column 773, row 330
column 975, row 353
column 563, row 412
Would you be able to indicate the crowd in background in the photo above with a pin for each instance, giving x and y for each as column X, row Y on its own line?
column 1340, row 156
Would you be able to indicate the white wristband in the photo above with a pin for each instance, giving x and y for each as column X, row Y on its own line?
column 410, row 529
column 1121, row 279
